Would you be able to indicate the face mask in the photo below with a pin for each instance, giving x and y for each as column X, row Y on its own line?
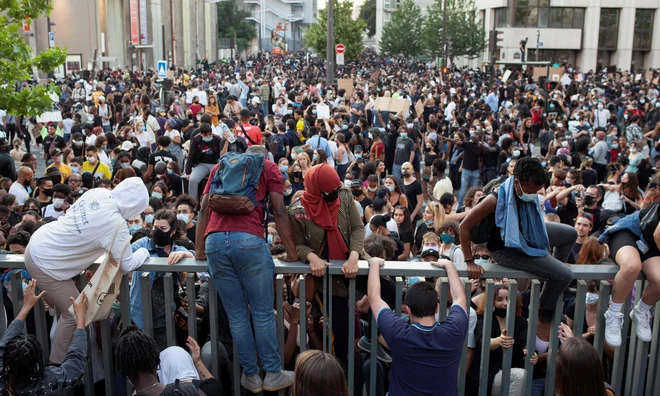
column 78, row 143
column 405, row 174
column 124, row 164
column 131, row 134
column 298, row 174
column 359, row 155
column 75, row 170
column 564, row 143
column 389, row 126
column 149, row 219
column 410, row 125
column 58, row 203
column 543, row 164
column 552, row 106
column 104, row 148
column 269, row 238
column 481, row 261
column 373, row 189
column 156, row 195
column 314, row 111
column 600, row 106
column 527, row 197
column 615, row 145
column 91, row 160
column 500, row 312
column 47, row 192
column 208, row 139
column 133, row 228
column 404, row 135
column 589, row 200
column 657, row 104
column 160, row 237
column 633, row 150
column 288, row 192
column 356, row 193
column 625, row 116
column 331, row 197
column 58, row 158
column 642, row 101
column 516, row 153
column 183, row 217
column 284, row 168
column 447, row 238
column 289, row 111
column 429, row 222
column 591, row 298
column 430, row 246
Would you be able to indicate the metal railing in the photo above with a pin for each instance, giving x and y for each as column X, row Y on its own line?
column 634, row 370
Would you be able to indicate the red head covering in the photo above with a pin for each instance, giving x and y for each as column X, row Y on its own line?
column 323, row 179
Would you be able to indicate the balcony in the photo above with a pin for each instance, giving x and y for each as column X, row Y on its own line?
column 634, row 370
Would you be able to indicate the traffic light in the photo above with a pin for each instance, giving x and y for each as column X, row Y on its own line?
column 495, row 40
column 444, row 70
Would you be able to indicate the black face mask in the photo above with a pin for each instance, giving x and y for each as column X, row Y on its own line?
column 298, row 174
column 589, row 200
column 357, row 193
column 331, row 196
column 500, row 312
column 47, row 192
column 160, row 237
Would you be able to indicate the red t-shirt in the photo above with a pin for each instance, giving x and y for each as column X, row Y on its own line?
column 195, row 108
column 271, row 181
column 253, row 131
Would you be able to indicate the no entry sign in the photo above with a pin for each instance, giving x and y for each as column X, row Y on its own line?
column 339, row 48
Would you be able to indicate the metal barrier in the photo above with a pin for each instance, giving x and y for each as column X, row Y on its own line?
column 634, row 371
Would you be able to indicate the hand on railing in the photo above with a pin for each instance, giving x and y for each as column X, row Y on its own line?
column 474, row 271
column 591, row 331
column 505, row 340
column 317, row 265
column 534, row 359
column 350, row 267
column 565, row 332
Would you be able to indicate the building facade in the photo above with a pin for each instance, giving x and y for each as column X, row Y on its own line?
column 589, row 34
column 384, row 10
column 128, row 33
column 281, row 23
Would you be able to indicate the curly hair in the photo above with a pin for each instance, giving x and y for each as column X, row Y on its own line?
column 23, row 357
column 136, row 353
column 379, row 246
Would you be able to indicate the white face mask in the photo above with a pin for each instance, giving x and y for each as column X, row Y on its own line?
column 564, row 143
column 58, row 203
column 348, row 183
column 91, row 160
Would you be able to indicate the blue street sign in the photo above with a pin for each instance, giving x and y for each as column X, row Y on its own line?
column 539, row 44
column 51, row 40
column 162, row 69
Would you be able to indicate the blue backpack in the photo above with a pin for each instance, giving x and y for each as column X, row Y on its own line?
column 235, row 184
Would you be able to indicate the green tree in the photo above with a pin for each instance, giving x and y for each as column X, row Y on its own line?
column 402, row 35
column 368, row 14
column 347, row 31
column 17, row 62
column 466, row 35
column 232, row 24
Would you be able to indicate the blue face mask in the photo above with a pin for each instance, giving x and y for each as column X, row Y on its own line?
column 403, row 135
column 344, row 127
column 149, row 219
column 391, row 188
column 552, row 106
column 543, row 164
column 156, row 195
column 526, row 197
column 270, row 239
column 314, row 111
column 183, row 217
column 447, row 238
column 170, row 171
column 208, row 139
column 615, row 145
column 133, row 228
column 428, row 223
column 79, row 143
column 481, row 261
column 284, row 168
column 124, row 164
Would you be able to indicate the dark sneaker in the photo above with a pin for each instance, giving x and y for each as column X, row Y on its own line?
column 381, row 355
column 252, row 383
column 277, row 381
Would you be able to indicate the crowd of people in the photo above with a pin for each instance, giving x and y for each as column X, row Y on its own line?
column 527, row 174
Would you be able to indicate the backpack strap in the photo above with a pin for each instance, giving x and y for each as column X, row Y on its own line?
column 246, row 134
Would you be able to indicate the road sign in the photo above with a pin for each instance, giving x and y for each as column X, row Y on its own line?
column 51, row 40
column 340, row 48
column 107, row 59
column 162, row 69
column 539, row 44
column 340, row 59
column 26, row 25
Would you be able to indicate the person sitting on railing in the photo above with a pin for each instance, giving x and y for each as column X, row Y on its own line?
column 518, row 238
column 431, row 350
column 634, row 243
column 21, row 355
column 61, row 250
column 159, row 245
column 500, row 338
column 137, row 358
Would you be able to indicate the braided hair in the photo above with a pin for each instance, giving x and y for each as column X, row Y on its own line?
column 136, row 353
column 22, row 361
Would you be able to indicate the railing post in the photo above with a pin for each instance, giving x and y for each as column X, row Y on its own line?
column 351, row 335
column 620, row 353
column 553, row 348
column 168, row 289
column 651, row 380
column 303, row 313
column 603, row 302
column 534, row 296
column 147, row 316
column 443, row 298
column 510, row 326
column 462, row 369
column 279, row 283
column 213, row 328
column 485, row 341
column 192, row 314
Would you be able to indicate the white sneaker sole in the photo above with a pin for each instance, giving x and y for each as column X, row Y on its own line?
column 637, row 328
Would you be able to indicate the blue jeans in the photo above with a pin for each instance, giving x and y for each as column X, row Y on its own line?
column 264, row 108
column 538, row 387
column 242, row 271
column 468, row 179
column 396, row 172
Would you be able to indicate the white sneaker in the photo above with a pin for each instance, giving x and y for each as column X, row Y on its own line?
column 613, row 325
column 642, row 324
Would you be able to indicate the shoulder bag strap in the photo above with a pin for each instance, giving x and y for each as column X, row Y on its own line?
column 246, row 134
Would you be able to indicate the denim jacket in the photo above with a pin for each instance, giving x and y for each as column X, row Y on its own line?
column 136, row 290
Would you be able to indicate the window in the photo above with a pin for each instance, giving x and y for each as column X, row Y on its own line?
column 643, row 29
column 502, row 17
column 538, row 13
column 608, row 31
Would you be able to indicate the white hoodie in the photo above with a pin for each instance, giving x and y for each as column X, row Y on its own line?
column 66, row 247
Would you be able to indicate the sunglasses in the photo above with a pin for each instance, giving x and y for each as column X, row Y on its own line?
column 481, row 256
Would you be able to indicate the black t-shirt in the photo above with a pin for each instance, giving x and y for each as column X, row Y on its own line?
column 75, row 129
column 575, row 251
column 406, row 235
column 412, row 190
column 403, row 149
column 190, row 233
column 495, row 241
column 421, row 230
column 589, row 177
column 161, row 155
column 471, row 155
column 365, row 202
column 596, row 214
column 50, row 143
column 490, row 158
column 567, row 213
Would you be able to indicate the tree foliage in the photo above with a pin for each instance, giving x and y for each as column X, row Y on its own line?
column 347, row 31
column 466, row 35
column 17, row 62
column 403, row 34
column 368, row 15
column 232, row 24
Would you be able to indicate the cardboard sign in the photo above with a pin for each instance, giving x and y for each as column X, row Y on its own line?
column 392, row 105
column 638, row 77
column 419, row 107
column 506, row 76
column 347, row 84
column 323, row 112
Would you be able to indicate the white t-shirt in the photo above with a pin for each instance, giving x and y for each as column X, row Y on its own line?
column 90, row 140
column 49, row 211
column 172, row 134
column 20, row 192
column 64, row 248
column 442, row 186
column 333, row 150
column 144, row 139
column 391, row 225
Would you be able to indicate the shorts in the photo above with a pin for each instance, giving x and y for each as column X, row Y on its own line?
column 415, row 163
column 624, row 238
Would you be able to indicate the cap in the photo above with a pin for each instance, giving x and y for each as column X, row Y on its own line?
column 55, row 151
column 430, row 252
column 256, row 100
column 127, row 146
column 356, row 183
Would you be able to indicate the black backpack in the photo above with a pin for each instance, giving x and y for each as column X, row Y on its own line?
column 278, row 145
column 180, row 389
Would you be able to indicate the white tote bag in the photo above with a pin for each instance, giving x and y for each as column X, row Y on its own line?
column 103, row 288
